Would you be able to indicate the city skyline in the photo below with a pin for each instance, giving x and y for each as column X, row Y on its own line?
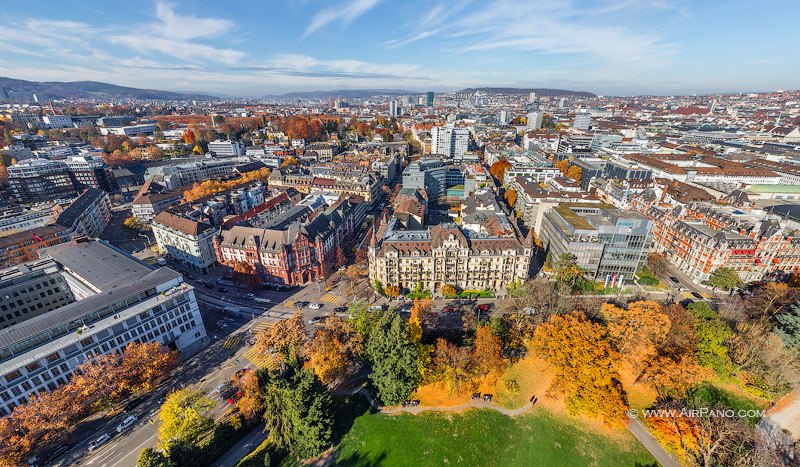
column 616, row 47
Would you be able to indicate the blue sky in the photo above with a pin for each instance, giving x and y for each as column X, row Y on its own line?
column 258, row 47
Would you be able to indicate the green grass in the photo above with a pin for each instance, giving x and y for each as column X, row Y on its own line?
column 709, row 395
column 479, row 438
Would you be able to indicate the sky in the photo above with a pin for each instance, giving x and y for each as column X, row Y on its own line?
column 253, row 48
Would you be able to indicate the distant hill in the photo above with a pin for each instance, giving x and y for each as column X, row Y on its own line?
column 522, row 91
column 91, row 90
column 343, row 93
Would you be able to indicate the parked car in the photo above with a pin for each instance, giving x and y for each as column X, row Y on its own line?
column 315, row 306
column 201, row 281
column 483, row 307
column 340, row 309
column 449, row 309
column 376, row 307
column 127, row 423
column 222, row 289
column 209, row 286
column 315, row 320
column 250, row 295
column 299, row 305
column 101, row 440
column 189, row 276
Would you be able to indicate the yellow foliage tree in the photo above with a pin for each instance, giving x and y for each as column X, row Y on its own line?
column 575, row 173
column 563, row 166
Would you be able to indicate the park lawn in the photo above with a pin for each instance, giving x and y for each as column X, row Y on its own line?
column 481, row 437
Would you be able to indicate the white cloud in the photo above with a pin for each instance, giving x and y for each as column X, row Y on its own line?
column 344, row 13
column 186, row 27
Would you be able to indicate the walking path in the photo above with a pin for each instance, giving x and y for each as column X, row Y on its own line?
column 637, row 429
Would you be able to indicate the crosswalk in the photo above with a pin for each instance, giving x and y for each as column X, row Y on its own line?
column 688, row 294
column 330, row 298
column 232, row 341
column 260, row 359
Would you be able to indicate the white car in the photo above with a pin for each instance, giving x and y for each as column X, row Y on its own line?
column 250, row 295
column 315, row 306
column 127, row 423
column 101, row 440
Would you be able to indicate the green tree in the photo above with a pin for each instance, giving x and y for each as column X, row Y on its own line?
column 725, row 278
column 711, row 335
column 299, row 416
column 394, row 357
column 788, row 326
column 185, row 419
column 568, row 272
column 150, row 457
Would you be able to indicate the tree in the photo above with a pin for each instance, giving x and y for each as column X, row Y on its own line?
column 150, row 457
column 725, row 278
column 287, row 338
column 132, row 223
column 299, row 416
column 391, row 291
column 584, row 364
column 488, row 354
column 498, row 169
column 636, row 332
column 568, row 272
column 767, row 366
column 511, row 197
column 452, row 364
column 672, row 377
column 290, row 160
column 246, row 274
column 189, row 137
column 449, row 290
column 711, row 335
column 788, row 326
column 146, row 364
column 575, row 173
column 394, row 358
column 250, row 403
column 563, row 166
column 419, row 311
column 334, row 350
column 656, row 261
column 185, row 419
column 3, row 173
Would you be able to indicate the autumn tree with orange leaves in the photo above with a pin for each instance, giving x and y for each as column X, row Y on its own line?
column 636, row 333
column 334, row 351
column 212, row 187
column 498, row 169
column 250, row 403
column 97, row 384
column 285, row 340
column 488, row 352
column 584, row 364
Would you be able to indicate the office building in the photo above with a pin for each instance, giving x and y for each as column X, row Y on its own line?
column 429, row 99
column 610, row 244
column 101, row 300
column 393, row 108
column 130, row 130
column 504, row 118
column 226, row 148
column 38, row 180
column 449, row 141
column 534, row 120
column 89, row 171
column 583, row 121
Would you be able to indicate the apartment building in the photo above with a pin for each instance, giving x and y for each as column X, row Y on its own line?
column 449, row 141
column 447, row 254
column 185, row 240
column 88, row 215
column 38, row 180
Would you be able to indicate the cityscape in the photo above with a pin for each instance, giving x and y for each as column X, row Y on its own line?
column 489, row 234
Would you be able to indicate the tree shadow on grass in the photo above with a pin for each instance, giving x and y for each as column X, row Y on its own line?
column 346, row 411
column 358, row 460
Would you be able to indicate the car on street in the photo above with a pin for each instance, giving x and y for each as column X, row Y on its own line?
column 315, row 320
column 299, row 305
column 697, row 295
column 250, row 295
column 209, row 286
column 101, row 440
column 340, row 309
column 222, row 289
column 315, row 306
column 262, row 300
column 449, row 309
column 127, row 423
column 376, row 307
column 483, row 307
column 675, row 280
column 189, row 276
column 200, row 281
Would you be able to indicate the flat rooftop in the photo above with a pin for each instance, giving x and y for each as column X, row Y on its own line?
column 98, row 263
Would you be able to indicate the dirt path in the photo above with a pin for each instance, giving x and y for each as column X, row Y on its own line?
column 477, row 404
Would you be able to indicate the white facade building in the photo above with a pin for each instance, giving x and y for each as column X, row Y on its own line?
column 449, row 141
column 226, row 148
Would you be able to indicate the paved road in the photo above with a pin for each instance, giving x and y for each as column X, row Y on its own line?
column 244, row 447
column 641, row 433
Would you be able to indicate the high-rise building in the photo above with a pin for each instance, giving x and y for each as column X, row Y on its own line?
column 583, row 121
column 449, row 141
column 535, row 120
column 393, row 108
column 504, row 118
column 429, row 99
